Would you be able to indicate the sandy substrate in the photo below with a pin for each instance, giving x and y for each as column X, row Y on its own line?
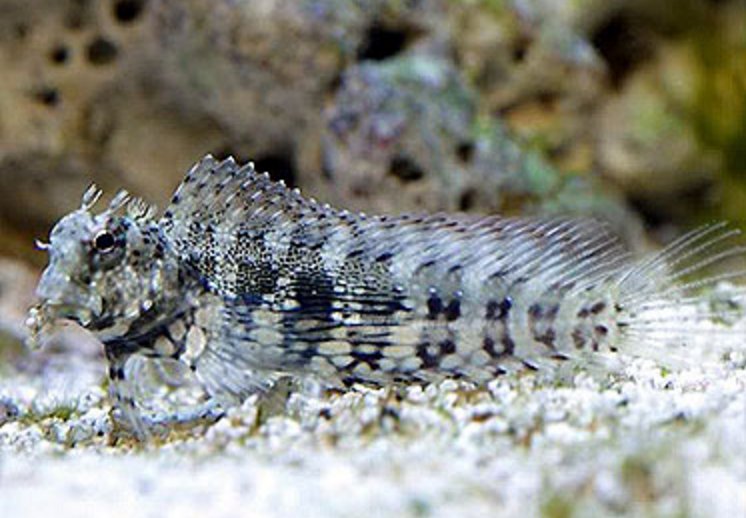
column 648, row 445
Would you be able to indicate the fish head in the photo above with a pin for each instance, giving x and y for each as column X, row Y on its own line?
column 98, row 266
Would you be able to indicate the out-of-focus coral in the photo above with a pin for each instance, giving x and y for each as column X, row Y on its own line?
column 398, row 135
column 405, row 134
column 674, row 133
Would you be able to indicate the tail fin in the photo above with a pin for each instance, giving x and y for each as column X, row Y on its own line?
column 686, row 299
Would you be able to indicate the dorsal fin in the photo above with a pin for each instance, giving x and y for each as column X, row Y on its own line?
column 553, row 252
column 221, row 203
column 222, row 195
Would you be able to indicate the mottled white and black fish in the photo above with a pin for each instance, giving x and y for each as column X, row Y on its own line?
column 244, row 280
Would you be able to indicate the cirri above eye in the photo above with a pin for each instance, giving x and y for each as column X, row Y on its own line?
column 104, row 241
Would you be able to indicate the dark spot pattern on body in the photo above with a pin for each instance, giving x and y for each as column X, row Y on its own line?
column 429, row 361
column 499, row 310
column 447, row 347
column 119, row 348
column 598, row 308
column 547, row 338
column 253, row 277
column 103, row 323
column 384, row 257
column 116, row 372
column 309, row 352
column 371, row 358
column 551, row 312
column 488, row 344
column 540, row 320
column 578, row 338
column 535, row 312
column 314, row 289
column 424, row 266
column 508, row 344
column 453, row 310
column 349, row 381
column 434, row 307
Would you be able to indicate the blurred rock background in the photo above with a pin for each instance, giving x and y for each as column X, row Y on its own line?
column 631, row 110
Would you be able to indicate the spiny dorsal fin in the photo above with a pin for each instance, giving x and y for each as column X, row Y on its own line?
column 221, row 202
column 222, row 194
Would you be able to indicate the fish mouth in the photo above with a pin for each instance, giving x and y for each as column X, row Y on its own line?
column 44, row 318
column 78, row 314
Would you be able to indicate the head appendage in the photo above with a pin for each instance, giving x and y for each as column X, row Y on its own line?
column 121, row 199
column 140, row 210
column 91, row 197
column 136, row 208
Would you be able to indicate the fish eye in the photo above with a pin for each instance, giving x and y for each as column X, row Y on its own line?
column 104, row 241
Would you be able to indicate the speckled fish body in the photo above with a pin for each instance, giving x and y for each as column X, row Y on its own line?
column 243, row 280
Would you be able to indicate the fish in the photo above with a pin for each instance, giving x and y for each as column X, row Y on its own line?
column 244, row 280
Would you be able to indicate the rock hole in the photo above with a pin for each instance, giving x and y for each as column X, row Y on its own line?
column 280, row 166
column 467, row 200
column 465, row 151
column 547, row 99
column 48, row 96
column 127, row 11
column 520, row 49
column 382, row 42
column 101, row 51
column 59, row 55
column 405, row 169
column 662, row 211
column 622, row 43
